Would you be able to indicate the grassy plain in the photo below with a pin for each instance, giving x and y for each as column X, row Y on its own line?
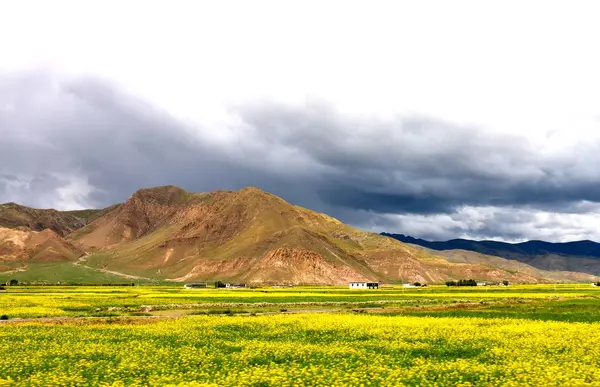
column 61, row 271
column 519, row 335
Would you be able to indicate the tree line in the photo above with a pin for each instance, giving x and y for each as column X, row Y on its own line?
column 468, row 282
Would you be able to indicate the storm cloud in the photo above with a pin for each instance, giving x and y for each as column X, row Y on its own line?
column 82, row 142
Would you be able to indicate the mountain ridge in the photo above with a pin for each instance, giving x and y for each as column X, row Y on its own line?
column 13, row 215
column 249, row 235
column 581, row 255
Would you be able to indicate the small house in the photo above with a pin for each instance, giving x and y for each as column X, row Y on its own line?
column 482, row 284
column 235, row 286
column 197, row 285
column 409, row 286
column 363, row 285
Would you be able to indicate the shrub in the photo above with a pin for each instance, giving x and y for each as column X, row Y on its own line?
column 4, row 317
column 462, row 282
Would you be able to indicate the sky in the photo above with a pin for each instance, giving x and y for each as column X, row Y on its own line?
column 433, row 119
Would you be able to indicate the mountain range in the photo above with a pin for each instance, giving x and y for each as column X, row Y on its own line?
column 170, row 234
column 579, row 256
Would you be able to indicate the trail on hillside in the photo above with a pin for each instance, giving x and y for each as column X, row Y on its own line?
column 17, row 270
column 84, row 258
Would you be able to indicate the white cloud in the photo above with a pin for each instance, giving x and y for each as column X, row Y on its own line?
column 47, row 190
column 509, row 66
column 498, row 223
column 524, row 70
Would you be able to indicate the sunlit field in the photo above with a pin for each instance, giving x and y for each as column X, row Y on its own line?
column 517, row 335
column 55, row 301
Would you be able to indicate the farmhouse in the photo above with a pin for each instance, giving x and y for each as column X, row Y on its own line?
column 232, row 286
column 197, row 285
column 363, row 285
column 482, row 284
column 409, row 285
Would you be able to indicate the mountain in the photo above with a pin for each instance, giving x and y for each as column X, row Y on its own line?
column 253, row 236
column 580, row 256
column 248, row 235
column 18, row 248
column 13, row 215
column 167, row 233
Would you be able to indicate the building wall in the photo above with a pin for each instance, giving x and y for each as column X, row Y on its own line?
column 363, row 285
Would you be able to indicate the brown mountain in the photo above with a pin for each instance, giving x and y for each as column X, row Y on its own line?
column 20, row 247
column 254, row 236
column 13, row 215
column 251, row 236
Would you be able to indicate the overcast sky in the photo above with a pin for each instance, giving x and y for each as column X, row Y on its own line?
column 435, row 119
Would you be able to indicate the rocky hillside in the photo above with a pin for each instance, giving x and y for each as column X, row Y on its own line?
column 18, row 248
column 13, row 215
column 253, row 236
column 249, row 235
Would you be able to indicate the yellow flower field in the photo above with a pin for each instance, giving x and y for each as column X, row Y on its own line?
column 57, row 301
column 166, row 336
column 301, row 349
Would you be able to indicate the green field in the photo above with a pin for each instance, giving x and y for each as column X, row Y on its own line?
column 61, row 272
column 99, row 335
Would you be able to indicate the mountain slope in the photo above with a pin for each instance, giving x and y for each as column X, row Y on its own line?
column 13, row 215
column 254, row 236
column 527, row 272
column 580, row 256
column 19, row 248
column 167, row 233
column 247, row 235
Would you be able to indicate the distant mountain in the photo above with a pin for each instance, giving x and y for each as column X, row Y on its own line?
column 579, row 256
column 13, row 215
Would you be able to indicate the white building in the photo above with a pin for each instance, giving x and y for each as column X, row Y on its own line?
column 363, row 285
column 482, row 283
column 408, row 286
column 234, row 286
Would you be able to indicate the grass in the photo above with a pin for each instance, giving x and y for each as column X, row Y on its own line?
column 570, row 310
column 64, row 272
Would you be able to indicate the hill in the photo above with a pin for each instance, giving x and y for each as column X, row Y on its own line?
column 19, row 248
column 167, row 233
column 579, row 256
column 253, row 236
column 13, row 215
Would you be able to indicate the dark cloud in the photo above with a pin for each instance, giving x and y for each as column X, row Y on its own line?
column 61, row 130
column 82, row 142
column 418, row 165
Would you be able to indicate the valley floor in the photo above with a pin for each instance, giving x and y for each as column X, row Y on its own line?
column 519, row 335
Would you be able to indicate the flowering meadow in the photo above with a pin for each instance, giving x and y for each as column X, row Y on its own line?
column 99, row 301
column 505, row 343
